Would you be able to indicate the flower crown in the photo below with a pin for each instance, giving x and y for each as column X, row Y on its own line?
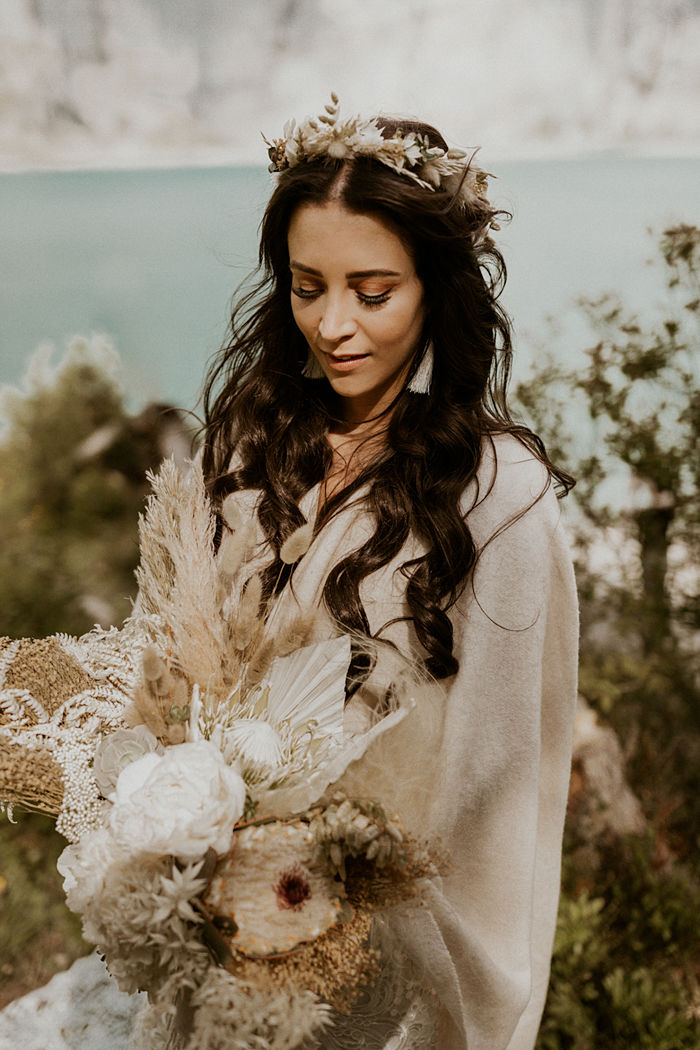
column 407, row 153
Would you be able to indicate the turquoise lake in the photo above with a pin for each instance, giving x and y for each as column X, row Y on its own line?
column 152, row 257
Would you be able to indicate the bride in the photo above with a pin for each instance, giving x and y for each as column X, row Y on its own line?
column 362, row 393
column 363, row 389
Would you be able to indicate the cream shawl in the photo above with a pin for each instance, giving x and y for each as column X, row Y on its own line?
column 500, row 769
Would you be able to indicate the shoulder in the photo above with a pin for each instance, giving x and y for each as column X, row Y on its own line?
column 524, row 562
column 511, row 484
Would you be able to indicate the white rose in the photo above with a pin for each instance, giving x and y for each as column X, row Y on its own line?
column 181, row 802
column 118, row 750
column 84, row 867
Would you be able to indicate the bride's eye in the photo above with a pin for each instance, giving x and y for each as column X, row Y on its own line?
column 306, row 293
column 373, row 300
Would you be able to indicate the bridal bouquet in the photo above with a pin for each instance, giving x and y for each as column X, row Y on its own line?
column 230, row 846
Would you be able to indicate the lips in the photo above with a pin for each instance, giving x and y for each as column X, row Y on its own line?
column 345, row 362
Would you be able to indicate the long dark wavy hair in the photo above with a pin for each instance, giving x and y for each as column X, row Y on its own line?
column 258, row 405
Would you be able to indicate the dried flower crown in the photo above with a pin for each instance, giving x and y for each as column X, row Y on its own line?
column 407, row 153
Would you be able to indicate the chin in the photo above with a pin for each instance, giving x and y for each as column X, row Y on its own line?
column 349, row 386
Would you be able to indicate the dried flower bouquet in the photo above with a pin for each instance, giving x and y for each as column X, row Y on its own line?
column 229, row 845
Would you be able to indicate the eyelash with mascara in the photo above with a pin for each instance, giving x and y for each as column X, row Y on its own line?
column 366, row 300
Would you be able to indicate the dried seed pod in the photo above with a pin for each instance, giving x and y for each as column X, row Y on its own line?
column 152, row 664
column 297, row 544
column 248, row 611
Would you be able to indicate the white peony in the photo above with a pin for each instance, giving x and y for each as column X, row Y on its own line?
column 180, row 803
column 118, row 750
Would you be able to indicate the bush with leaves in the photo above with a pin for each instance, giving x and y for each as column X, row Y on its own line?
column 73, row 465
column 624, row 971
column 635, row 449
column 627, row 962
column 72, row 477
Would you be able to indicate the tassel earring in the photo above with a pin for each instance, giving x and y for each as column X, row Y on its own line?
column 312, row 368
column 423, row 378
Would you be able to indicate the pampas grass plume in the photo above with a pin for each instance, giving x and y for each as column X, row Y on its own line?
column 158, row 679
column 175, row 734
column 296, row 545
column 154, row 698
column 293, row 636
column 145, row 710
column 180, row 693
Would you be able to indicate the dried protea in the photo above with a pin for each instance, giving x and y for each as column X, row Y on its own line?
column 273, row 891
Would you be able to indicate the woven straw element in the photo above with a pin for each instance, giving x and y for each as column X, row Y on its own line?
column 42, row 668
column 29, row 775
column 48, row 688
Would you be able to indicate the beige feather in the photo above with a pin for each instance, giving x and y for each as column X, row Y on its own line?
column 400, row 767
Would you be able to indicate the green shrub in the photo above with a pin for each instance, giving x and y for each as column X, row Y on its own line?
column 68, row 549
column 627, row 956
column 68, row 532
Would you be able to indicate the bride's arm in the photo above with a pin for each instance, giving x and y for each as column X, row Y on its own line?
column 505, row 758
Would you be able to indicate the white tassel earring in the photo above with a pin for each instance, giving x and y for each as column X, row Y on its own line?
column 312, row 369
column 423, row 378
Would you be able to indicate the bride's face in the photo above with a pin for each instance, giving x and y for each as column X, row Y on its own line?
column 357, row 300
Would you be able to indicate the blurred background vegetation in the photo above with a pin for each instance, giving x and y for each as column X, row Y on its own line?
column 626, row 965
column 73, row 462
column 627, row 424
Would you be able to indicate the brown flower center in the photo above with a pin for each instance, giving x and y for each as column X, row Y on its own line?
column 293, row 888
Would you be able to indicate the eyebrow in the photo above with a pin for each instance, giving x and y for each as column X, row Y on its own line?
column 293, row 265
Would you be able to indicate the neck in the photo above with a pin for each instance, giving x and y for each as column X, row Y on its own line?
column 360, row 427
column 363, row 415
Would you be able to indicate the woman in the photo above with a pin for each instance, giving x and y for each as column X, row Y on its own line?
column 363, row 390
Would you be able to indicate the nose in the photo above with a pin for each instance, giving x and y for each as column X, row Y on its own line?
column 336, row 322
